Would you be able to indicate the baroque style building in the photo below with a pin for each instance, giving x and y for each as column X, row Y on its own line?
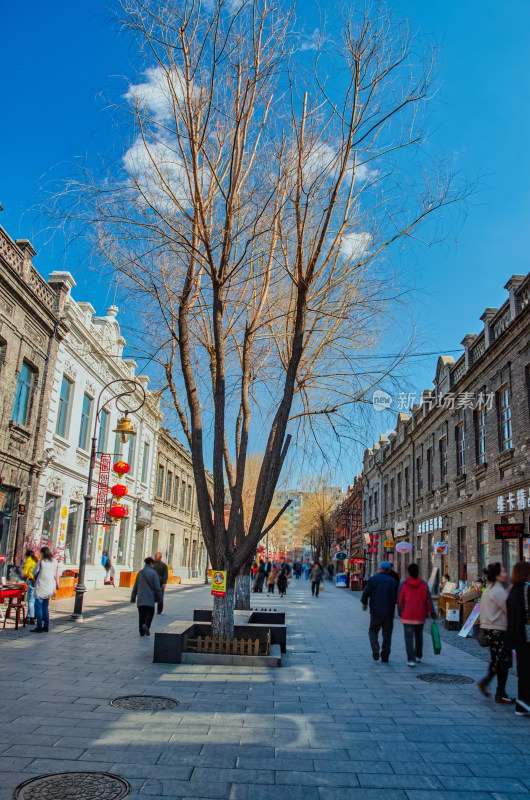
column 32, row 327
column 89, row 357
column 458, row 462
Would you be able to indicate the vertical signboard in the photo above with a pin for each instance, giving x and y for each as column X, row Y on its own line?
column 103, row 489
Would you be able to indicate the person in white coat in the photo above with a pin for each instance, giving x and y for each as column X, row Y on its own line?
column 46, row 575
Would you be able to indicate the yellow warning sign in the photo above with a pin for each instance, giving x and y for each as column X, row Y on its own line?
column 218, row 583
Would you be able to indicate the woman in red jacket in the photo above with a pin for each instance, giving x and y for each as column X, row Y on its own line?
column 414, row 606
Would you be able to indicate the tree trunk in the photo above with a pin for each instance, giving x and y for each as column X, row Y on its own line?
column 223, row 615
column 242, row 591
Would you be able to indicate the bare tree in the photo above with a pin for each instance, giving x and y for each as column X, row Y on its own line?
column 316, row 519
column 251, row 214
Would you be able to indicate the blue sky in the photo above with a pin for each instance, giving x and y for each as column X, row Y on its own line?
column 58, row 60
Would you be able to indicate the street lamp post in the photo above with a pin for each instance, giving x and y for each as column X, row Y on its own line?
column 124, row 430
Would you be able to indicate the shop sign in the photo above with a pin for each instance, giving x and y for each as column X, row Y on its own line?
column 103, row 489
column 404, row 547
column 513, row 501
column 21, row 510
column 389, row 544
column 219, row 583
column 509, row 531
column 357, row 560
column 366, row 538
column 440, row 548
column 428, row 525
column 400, row 529
column 144, row 513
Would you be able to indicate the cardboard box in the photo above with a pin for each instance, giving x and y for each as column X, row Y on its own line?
column 452, row 615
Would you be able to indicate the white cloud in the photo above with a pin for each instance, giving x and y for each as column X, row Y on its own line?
column 159, row 172
column 312, row 42
column 356, row 245
column 365, row 173
column 157, row 92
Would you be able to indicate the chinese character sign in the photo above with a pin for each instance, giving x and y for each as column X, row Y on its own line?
column 103, row 489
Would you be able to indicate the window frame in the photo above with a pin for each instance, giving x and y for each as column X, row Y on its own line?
column 103, row 436
column 176, row 489
column 145, row 463
column 419, row 475
column 169, row 486
column 430, row 469
column 480, row 435
column 160, row 481
column 29, row 387
column 86, row 420
column 460, row 439
column 62, row 427
column 505, row 418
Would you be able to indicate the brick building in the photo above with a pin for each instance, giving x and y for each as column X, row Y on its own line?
column 32, row 327
column 458, row 461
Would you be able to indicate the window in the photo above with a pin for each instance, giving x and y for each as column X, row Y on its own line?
column 430, row 470
column 505, row 418
column 385, row 499
column 176, row 491
column 419, row 476
column 483, row 540
column 460, row 449
column 376, row 505
column 86, row 418
column 480, row 430
column 443, row 459
column 160, row 481
column 392, row 494
column 407, row 485
column 24, row 394
column 169, row 486
column 399, row 488
column 370, row 506
column 72, row 533
column 171, row 548
column 131, row 457
column 188, row 499
column 118, row 448
column 154, row 542
column 182, row 495
column 3, row 351
column 145, row 463
column 185, row 553
column 103, row 431
column 50, row 518
column 63, row 416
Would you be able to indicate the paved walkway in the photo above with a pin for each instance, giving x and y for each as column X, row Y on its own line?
column 330, row 724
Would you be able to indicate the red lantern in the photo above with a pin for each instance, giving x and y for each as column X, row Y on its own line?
column 121, row 468
column 371, row 550
column 117, row 512
column 119, row 490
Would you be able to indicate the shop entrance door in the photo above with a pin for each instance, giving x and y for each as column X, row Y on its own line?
column 7, row 500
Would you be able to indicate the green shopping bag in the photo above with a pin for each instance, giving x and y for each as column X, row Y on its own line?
column 436, row 643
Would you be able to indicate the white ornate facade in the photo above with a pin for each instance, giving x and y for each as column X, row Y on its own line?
column 88, row 359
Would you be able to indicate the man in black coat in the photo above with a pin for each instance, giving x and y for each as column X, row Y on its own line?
column 162, row 571
column 146, row 591
column 381, row 591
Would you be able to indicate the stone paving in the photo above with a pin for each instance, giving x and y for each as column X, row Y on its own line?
column 330, row 724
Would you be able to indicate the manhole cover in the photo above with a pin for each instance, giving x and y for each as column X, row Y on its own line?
column 442, row 677
column 73, row 786
column 144, row 702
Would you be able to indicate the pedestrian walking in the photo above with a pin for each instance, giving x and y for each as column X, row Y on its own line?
column 307, row 570
column 316, row 575
column 283, row 575
column 414, row 606
column 493, row 619
column 331, row 571
column 146, row 591
column 518, row 631
column 260, row 577
column 46, row 575
column 271, row 580
column 162, row 571
column 381, row 592
column 31, row 560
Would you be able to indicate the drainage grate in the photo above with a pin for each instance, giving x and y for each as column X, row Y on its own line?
column 442, row 677
column 144, row 702
column 73, row 786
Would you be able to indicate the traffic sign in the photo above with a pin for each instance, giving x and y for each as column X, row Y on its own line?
column 219, row 583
